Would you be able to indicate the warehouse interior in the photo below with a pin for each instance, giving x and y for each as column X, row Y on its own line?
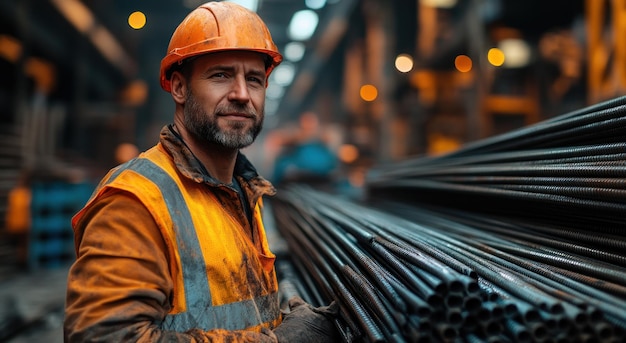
column 412, row 97
column 97, row 95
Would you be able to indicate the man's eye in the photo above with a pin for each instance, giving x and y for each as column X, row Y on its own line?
column 219, row 75
column 255, row 79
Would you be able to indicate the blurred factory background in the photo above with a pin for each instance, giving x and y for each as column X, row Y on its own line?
column 392, row 79
column 387, row 80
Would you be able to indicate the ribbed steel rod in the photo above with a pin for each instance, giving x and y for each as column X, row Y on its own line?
column 516, row 233
column 526, row 170
column 512, row 140
column 608, row 248
column 608, row 152
column 460, row 195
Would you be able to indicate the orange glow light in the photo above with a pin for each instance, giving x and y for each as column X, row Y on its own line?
column 10, row 48
column 368, row 92
column 463, row 63
column 348, row 153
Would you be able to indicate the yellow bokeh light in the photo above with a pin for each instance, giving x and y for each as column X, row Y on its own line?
column 368, row 92
column 495, row 56
column 404, row 63
column 463, row 63
column 137, row 20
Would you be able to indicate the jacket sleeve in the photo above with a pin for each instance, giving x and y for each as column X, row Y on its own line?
column 119, row 287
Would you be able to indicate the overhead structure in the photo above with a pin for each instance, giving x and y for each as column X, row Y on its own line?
column 606, row 53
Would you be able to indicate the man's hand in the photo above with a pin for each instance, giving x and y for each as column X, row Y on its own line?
column 307, row 324
column 220, row 335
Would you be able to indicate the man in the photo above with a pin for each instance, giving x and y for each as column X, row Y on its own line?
column 306, row 156
column 171, row 247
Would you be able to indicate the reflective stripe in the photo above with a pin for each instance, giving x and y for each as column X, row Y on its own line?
column 200, row 313
column 197, row 292
column 234, row 316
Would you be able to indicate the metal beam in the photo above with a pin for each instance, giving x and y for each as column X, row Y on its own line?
column 331, row 33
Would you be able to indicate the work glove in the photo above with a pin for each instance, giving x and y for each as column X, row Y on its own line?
column 307, row 324
column 220, row 335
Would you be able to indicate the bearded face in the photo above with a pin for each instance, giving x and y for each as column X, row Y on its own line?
column 212, row 128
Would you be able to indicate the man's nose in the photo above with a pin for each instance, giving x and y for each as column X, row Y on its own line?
column 239, row 90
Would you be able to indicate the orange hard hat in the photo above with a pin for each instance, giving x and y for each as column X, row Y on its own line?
column 218, row 26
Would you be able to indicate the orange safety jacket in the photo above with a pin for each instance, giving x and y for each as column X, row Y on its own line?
column 220, row 264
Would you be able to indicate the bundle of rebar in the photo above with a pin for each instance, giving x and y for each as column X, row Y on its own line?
column 569, row 171
column 516, row 238
column 432, row 278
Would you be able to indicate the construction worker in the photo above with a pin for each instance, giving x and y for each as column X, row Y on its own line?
column 171, row 247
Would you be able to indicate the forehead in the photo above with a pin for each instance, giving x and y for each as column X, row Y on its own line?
column 249, row 59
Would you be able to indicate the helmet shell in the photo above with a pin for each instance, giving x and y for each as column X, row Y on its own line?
column 214, row 27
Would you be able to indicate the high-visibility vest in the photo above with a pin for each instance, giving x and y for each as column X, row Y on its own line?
column 222, row 280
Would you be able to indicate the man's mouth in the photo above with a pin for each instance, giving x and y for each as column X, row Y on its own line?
column 236, row 116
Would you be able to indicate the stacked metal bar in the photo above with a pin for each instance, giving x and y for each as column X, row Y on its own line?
column 427, row 277
column 520, row 237
column 570, row 170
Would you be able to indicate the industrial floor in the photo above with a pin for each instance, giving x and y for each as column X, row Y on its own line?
column 32, row 305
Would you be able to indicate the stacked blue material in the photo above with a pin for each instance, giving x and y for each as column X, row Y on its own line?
column 51, row 240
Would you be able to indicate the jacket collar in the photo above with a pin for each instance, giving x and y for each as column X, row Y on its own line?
column 189, row 166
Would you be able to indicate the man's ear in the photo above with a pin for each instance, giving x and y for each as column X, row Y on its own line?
column 179, row 87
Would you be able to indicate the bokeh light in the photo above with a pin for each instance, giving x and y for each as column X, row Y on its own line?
column 517, row 52
column 463, row 63
column 404, row 63
column 495, row 56
column 368, row 92
column 348, row 153
column 137, row 20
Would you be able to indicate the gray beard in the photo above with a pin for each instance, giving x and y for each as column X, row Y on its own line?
column 205, row 127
